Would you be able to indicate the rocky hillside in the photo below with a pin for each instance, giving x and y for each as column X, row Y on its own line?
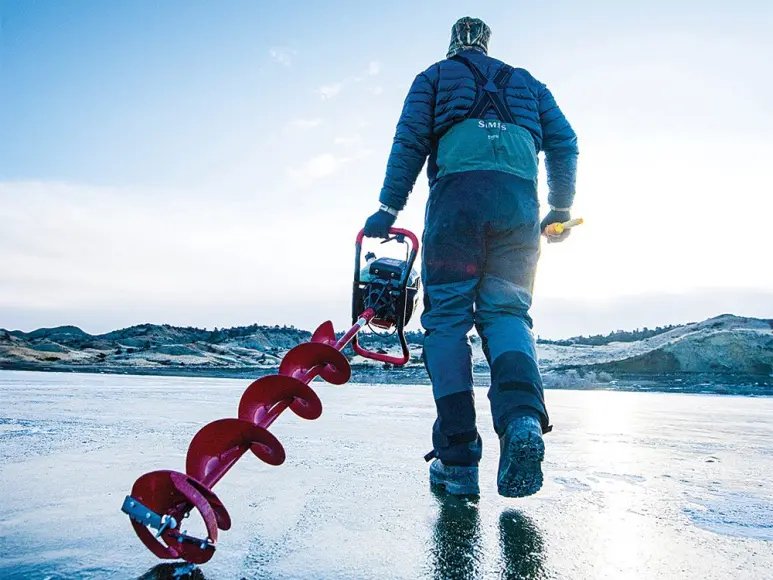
column 149, row 346
column 725, row 344
column 719, row 346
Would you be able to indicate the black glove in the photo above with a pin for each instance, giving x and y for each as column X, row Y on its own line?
column 378, row 224
column 556, row 216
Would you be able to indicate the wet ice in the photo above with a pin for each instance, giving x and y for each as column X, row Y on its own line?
column 637, row 485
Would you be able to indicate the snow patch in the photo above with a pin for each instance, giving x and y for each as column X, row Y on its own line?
column 734, row 514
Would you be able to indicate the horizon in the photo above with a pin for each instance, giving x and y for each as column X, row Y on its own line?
column 343, row 329
column 208, row 166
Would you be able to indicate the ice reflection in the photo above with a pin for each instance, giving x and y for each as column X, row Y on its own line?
column 173, row 571
column 622, row 538
column 458, row 551
column 522, row 548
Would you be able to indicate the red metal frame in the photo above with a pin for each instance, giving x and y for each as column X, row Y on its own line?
column 394, row 232
column 385, row 358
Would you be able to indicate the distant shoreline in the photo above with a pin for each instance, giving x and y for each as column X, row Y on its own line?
column 691, row 383
column 360, row 373
column 724, row 350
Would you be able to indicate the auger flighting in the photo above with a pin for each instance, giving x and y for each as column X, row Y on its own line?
column 384, row 296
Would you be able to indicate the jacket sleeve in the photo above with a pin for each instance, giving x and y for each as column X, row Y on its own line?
column 559, row 142
column 412, row 143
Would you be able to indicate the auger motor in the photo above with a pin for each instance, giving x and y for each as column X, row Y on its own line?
column 390, row 288
column 384, row 297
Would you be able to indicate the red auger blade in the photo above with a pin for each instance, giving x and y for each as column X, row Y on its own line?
column 170, row 492
column 218, row 445
column 311, row 354
column 267, row 391
column 325, row 333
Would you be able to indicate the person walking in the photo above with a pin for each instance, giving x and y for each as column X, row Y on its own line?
column 479, row 124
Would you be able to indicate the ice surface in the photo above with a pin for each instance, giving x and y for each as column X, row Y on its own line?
column 638, row 485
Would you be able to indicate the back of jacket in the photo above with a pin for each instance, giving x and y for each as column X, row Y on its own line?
column 435, row 124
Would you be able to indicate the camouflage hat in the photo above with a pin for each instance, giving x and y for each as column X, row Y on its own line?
column 469, row 33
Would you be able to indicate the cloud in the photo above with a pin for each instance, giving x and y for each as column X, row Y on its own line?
column 108, row 257
column 330, row 91
column 282, row 54
column 377, row 90
column 316, row 168
column 304, row 124
column 333, row 89
column 322, row 166
column 348, row 141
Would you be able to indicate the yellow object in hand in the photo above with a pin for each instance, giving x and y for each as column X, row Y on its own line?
column 558, row 228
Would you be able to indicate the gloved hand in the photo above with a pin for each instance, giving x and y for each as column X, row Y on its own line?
column 556, row 216
column 377, row 225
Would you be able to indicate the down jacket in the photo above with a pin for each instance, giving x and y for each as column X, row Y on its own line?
column 443, row 95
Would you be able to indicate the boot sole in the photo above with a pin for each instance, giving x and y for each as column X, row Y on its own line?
column 520, row 466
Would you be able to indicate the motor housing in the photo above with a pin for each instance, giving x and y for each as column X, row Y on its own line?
column 383, row 291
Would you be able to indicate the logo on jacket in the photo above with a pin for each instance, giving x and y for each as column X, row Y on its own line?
column 493, row 124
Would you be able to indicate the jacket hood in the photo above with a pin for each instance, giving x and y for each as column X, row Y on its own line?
column 469, row 33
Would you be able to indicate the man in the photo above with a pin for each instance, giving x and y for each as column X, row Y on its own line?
column 482, row 124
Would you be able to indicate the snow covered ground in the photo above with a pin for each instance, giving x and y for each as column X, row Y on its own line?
column 638, row 485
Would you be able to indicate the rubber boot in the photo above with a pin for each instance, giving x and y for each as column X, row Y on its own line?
column 521, row 451
column 456, row 479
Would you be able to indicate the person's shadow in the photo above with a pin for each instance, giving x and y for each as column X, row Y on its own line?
column 457, row 552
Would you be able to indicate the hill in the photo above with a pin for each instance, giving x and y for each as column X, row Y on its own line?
column 723, row 346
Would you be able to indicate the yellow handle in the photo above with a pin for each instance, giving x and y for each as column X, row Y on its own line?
column 558, row 227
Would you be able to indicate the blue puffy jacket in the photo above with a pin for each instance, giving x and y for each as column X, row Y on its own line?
column 436, row 109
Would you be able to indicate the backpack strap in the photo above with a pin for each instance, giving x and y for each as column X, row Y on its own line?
column 489, row 92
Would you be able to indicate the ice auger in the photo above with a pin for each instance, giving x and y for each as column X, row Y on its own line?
column 384, row 296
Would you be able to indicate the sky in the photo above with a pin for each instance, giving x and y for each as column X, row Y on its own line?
column 209, row 164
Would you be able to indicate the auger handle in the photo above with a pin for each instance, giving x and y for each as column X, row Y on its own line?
column 395, row 232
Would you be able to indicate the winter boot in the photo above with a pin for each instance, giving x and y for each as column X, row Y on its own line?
column 456, row 479
column 521, row 451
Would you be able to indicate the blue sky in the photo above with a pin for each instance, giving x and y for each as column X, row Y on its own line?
column 209, row 163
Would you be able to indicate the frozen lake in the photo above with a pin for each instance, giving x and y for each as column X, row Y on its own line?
column 638, row 485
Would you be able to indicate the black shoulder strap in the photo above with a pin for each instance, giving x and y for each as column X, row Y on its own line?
column 489, row 92
column 479, row 78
